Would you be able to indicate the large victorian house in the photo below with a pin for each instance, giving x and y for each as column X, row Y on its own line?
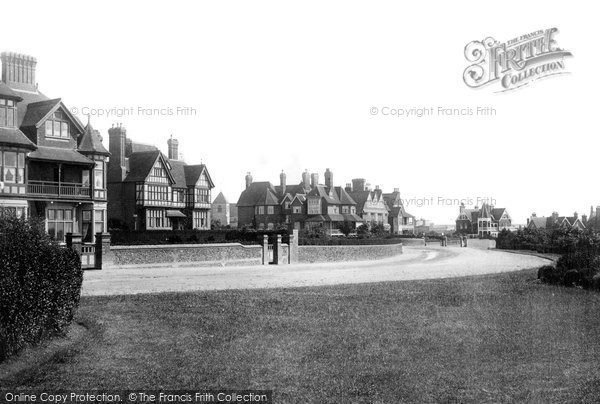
column 307, row 205
column 484, row 221
column 51, row 166
column 370, row 204
column 150, row 191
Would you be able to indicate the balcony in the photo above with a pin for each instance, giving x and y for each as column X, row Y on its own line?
column 66, row 190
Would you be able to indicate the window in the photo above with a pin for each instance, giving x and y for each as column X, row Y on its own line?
column 158, row 173
column 287, row 204
column 345, row 209
column 202, row 195
column 202, row 181
column 13, row 167
column 297, row 209
column 57, row 126
column 98, row 221
column 8, row 113
column 178, row 195
column 200, row 219
column 261, row 210
column 60, row 222
column 314, row 206
column 157, row 219
column 220, row 208
column 270, row 210
column 17, row 211
column 99, row 175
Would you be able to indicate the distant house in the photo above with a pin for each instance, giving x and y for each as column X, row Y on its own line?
column 307, row 205
column 220, row 210
column 233, row 215
column 484, row 221
column 555, row 222
column 150, row 191
column 401, row 222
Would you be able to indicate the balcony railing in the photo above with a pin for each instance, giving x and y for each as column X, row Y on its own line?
column 59, row 189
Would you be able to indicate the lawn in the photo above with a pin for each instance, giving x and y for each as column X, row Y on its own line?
column 496, row 338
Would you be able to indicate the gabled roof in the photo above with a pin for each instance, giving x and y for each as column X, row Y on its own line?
column 299, row 199
column 6, row 92
column 324, row 192
column 193, row 173
column 14, row 137
column 344, row 197
column 220, row 199
column 485, row 212
column 91, row 142
column 498, row 212
column 141, row 163
column 258, row 193
column 360, row 197
column 27, row 97
column 38, row 112
column 60, row 155
column 289, row 189
column 178, row 173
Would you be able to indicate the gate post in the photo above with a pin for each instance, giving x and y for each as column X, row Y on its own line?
column 74, row 241
column 293, row 247
column 265, row 249
column 100, row 241
column 277, row 251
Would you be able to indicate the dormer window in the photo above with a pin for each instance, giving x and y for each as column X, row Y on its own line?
column 57, row 127
column 8, row 113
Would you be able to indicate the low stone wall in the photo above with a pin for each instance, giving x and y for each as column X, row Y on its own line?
column 338, row 253
column 483, row 244
column 185, row 254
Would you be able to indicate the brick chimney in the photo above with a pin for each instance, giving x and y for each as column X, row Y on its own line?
column 396, row 189
column 575, row 215
column 173, row 150
column 18, row 71
column 328, row 178
column 248, row 179
column 314, row 180
column 306, row 180
column 117, row 164
column 282, row 182
column 348, row 187
column 358, row 184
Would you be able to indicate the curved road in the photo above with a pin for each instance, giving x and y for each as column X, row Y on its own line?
column 414, row 263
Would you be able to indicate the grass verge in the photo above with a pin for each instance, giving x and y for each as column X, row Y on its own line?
column 493, row 338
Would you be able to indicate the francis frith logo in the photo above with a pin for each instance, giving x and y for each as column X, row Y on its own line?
column 514, row 63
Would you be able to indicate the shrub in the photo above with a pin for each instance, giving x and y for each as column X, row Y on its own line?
column 548, row 274
column 40, row 285
column 595, row 284
column 572, row 278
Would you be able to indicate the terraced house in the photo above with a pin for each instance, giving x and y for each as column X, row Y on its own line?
column 555, row 221
column 307, row 205
column 150, row 191
column 51, row 166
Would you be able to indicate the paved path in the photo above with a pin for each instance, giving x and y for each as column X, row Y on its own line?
column 415, row 263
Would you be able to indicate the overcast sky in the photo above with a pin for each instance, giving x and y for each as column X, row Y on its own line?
column 290, row 86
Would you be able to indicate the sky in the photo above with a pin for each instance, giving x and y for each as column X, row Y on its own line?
column 266, row 86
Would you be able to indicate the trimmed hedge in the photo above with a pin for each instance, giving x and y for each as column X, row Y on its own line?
column 348, row 241
column 40, row 285
column 157, row 237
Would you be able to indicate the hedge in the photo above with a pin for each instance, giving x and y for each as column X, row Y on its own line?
column 154, row 237
column 40, row 285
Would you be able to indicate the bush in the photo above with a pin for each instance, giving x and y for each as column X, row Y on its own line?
column 595, row 283
column 40, row 285
column 572, row 278
column 547, row 274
